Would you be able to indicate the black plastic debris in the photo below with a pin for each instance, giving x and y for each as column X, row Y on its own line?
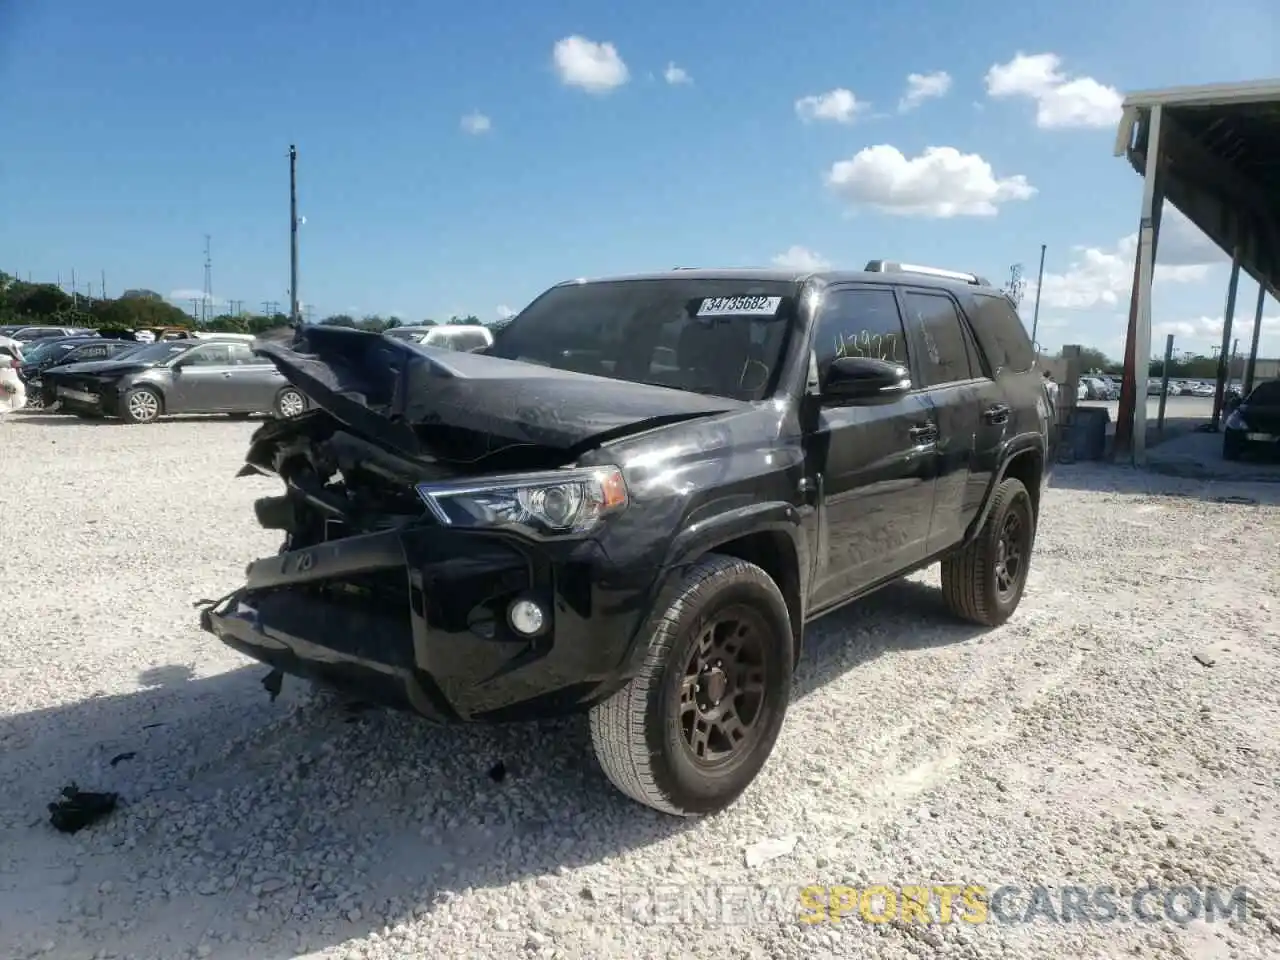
column 121, row 757
column 80, row 808
column 272, row 683
column 498, row 772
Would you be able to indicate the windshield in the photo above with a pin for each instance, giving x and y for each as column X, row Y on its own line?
column 157, row 352
column 39, row 351
column 721, row 337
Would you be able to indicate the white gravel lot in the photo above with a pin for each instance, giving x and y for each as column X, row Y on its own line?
column 1083, row 743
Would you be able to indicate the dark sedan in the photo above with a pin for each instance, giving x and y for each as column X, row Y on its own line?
column 1254, row 424
column 180, row 376
column 62, row 351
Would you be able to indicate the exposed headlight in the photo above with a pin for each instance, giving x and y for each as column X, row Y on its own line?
column 1236, row 422
column 553, row 503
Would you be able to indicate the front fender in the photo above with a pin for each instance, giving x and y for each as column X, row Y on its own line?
column 715, row 529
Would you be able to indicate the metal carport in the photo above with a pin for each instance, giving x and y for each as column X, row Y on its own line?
column 1212, row 151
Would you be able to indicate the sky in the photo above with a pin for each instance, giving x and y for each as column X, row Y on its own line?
column 461, row 163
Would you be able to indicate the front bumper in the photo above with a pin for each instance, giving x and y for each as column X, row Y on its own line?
column 415, row 618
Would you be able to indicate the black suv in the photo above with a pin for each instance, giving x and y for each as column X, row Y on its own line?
column 633, row 502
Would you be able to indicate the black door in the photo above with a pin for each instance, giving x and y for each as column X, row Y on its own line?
column 875, row 463
column 971, row 410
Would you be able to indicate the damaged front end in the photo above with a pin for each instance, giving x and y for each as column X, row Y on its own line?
column 438, row 553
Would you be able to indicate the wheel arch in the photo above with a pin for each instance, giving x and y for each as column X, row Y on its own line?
column 1024, row 460
column 769, row 535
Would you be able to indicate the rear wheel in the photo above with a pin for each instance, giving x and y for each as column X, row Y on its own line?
column 141, row 405
column 696, row 725
column 983, row 583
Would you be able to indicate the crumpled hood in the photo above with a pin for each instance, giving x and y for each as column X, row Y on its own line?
column 395, row 391
column 99, row 366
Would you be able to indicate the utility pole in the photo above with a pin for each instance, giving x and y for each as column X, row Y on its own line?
column 1035, row 316
column 73, row 289
column 293, row 234
column 195, row 308
column 308, row 312
column 207, row 292
column 104, row 284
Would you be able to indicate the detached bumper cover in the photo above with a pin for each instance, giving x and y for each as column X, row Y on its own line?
column 415, row 618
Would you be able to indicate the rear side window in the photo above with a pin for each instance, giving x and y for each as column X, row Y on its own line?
column 936, row 323
column 1001, row 334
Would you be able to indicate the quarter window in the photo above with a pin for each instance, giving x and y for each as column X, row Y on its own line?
column 1004, row 338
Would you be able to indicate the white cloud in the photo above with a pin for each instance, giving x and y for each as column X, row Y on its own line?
column 676, row 75
column 1099, row 276
column 801, row 258
column 1062, row 102
column 942, row 182
column 922, row 87
column 1205, row 332
column 476, row 123
column 505, row 312
column 594, row 67
column 834, row 106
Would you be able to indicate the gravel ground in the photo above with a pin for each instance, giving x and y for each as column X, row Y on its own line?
column 1081, row 744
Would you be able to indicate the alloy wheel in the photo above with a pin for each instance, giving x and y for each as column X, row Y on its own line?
column 1011, row 553
column 291, row 403
column 722, row 692
column 144, row 406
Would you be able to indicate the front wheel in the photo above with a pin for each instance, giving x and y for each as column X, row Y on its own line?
column 289, row 403
column 698, row 722
column 983, row 583
column 141, row 405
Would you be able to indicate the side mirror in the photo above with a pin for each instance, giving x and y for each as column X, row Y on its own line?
column 865, row 380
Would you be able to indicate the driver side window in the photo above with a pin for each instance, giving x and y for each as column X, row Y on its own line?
column 213, row 355
column 857, row 322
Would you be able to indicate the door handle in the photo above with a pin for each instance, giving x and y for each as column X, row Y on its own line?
column 924, row 433
column 996, row 413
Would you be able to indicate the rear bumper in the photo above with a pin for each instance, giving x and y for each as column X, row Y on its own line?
column 416, row 619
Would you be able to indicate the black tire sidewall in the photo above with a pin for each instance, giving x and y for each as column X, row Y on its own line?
column 692, row 788
column 1232, row 447
column 1017, row 498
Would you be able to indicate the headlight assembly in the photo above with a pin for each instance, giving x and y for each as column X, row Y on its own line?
column 1236, row 422
column 554, row 503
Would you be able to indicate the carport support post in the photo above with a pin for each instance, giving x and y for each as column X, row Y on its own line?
column 1253, row 347
column 1152, row 205
column 1164, row 381
column 1224, row 355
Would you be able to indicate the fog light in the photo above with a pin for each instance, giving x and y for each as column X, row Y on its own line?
column 526, row 617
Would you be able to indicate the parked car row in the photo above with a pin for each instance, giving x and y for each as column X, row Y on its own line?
column 87, row 375
column 1103, row 387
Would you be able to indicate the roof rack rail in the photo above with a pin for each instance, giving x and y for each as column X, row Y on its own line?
column 891, row 266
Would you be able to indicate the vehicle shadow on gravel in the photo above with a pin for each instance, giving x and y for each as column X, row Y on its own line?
column 240, row 814
column 1127, row 481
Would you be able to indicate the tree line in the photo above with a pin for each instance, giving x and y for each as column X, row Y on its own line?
column 1185, row 366
column 48, row 304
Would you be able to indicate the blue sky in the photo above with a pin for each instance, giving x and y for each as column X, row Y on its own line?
column 134, row 128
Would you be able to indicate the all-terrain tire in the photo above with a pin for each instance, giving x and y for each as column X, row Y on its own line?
column 969, row 577
column 637, row 733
